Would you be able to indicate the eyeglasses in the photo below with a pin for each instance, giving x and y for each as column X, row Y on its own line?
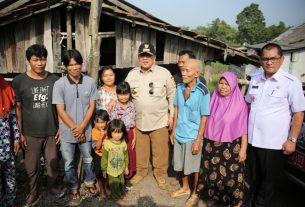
column 271, row 59
column 151, row 90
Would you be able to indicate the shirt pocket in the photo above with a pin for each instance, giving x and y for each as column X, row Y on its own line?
column 157, row 89
column 85, row 97
column 194, row 116
column 276, row 93
column 277, row 97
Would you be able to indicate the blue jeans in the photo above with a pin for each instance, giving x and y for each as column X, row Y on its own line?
column 68, row 152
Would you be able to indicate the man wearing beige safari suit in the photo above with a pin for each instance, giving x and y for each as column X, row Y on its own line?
column 153, row 90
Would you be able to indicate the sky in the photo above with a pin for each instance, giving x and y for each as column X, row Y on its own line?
column 193, row 13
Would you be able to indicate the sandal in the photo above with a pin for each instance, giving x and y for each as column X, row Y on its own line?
column 32, row 203
column 57, row 194
column 180, row 192
column 192, row 201
column 75, row 198
column 92, row 189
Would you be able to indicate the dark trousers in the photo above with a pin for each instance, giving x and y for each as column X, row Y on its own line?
column 36, row 146
column 265, row 168
column 116, row 185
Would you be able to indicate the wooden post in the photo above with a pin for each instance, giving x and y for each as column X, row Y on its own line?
column 96, row 40
column 69, row 28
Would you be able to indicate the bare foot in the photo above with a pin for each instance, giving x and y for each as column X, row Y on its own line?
column 108, row 192
column 102, row 195
column 121, row 202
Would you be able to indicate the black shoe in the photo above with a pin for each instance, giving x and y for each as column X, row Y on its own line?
column 128, row 185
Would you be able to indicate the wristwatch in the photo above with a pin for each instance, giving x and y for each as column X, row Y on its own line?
column 292, row 139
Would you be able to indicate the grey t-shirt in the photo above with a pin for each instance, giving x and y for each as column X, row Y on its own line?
column 76, row 98
column 39, row 116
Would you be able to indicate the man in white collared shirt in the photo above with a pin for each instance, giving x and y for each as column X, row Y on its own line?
column 276, row 115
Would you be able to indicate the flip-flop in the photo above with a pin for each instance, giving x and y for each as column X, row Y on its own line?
column 92, row 189
column 75, row 199
column 28, row 203
column 180, row 192
column 192, row 201
column 57, row 194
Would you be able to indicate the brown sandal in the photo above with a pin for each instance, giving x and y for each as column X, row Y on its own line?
column 92, row 189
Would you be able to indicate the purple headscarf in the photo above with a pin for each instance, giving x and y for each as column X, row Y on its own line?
column 228, row 118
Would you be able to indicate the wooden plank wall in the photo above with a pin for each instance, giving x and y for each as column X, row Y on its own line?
column 18, row 36
column 174, row 44
column 82, row 39
column 128, row 40
column 56, row 38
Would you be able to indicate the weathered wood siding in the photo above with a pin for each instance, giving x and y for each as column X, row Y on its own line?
column 128, row 40
column 174, row 44
column 45, row 28
column 82, row 38
column 17, row 37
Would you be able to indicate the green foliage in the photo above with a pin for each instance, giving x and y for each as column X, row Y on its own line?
column 251, row 28
column 251, row 25
column 275, row 30
column 217, row 69
column 220, row 30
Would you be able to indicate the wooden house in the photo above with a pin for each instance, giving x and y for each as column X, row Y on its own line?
column 62, row 24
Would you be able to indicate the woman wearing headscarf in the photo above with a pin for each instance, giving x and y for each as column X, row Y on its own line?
column 9, row 144
column 225, row 143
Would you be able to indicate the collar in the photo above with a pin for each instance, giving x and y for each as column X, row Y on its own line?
column 193, row 88
column 72, row 82
column 276, row 76
column 118, row 105
column 149, row 70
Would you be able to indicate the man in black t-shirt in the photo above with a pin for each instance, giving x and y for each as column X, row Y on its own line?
column 37, row 119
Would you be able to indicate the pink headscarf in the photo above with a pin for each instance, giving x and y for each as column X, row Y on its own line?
column 228, row 118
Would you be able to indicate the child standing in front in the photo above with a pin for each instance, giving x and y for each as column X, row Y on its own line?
column 99, row 136
column 115, row 159
column 124, row 110
column 106, row 93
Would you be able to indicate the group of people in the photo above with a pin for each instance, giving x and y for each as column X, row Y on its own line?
column 215, row 137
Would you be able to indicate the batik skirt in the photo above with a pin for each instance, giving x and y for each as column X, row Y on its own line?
column 223, row 175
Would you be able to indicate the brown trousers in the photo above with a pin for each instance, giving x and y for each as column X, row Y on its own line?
column 156, row 140
column 36, row 146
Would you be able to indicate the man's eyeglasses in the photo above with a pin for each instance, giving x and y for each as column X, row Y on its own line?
column 151, row 90
column 271, row 59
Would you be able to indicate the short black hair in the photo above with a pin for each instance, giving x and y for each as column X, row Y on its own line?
column 36, row 50
column 117, row 125
column 270, row 46
column 72, row 54
column 102, row 115
column 187, row 52
column 123, row 88
column 101, row 73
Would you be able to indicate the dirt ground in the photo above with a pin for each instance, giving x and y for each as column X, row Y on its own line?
column 145, row 194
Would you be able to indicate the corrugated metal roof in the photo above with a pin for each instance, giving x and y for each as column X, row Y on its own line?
column 292, row 39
